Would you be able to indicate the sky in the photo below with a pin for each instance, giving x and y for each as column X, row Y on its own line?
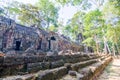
column 65, row 13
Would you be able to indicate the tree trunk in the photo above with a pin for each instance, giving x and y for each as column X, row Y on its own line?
column 108, row 48
column 97, row 48
column 113, row 49
column 117, row 48
column 105, row 47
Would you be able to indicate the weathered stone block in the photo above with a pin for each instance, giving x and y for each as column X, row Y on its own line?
column 30, row 59
column 76, row 56
column 49, row 58
column 72, row 73
column 18, row 60
column 53, row 58
column 92, row 71
column 56, row 64
column 75, row 60
column 39, row 59
column 34, row 67
column 77, row 66
column 8, row 60
column 60, row 72
column 47, row 75
column 18, row 79
column 83, row 59
column 45, row 65
column 30, row 77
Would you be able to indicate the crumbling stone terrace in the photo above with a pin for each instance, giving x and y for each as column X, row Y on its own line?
column 63, row 67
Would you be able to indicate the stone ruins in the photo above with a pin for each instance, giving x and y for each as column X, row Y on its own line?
column 30, row 53
column 16, row 37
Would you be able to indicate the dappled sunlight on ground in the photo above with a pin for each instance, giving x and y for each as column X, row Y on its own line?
column 112, row 72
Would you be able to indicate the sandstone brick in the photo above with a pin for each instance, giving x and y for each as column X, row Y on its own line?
column 56, row 64
column 45, row 65
column 47, row 75
column 34, row 67
column 59, row 72
column 79, row 65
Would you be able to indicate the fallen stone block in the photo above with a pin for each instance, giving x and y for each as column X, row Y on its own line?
column 72, row 73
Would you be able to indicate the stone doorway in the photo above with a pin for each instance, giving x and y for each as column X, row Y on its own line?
column 18, row 43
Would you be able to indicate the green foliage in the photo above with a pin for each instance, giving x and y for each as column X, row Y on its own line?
column 43, row 12
column 75, row 25
column 49, row 12
column 89, row 41
column 52, row 28
column 29, row 14
column 92, row 23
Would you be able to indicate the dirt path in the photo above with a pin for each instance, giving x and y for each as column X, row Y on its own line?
column 112, row 72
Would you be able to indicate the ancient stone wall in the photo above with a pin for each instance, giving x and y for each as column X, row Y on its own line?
column 17, row 37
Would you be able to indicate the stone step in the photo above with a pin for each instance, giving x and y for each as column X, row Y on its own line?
column 16, row 65
column 54, row 74
column 90, row 72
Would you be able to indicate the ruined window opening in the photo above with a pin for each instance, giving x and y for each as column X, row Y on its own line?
column 53, row 38
column 40, row 45
column 49, row 43
column 18, row 43
column 49, row 46
column 1, row 44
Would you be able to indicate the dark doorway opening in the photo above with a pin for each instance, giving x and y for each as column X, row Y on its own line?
column 53, row 38
column 18, row 43
column 40, row 45
column 49, row 46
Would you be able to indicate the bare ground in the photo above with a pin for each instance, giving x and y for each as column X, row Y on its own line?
column 112, row 71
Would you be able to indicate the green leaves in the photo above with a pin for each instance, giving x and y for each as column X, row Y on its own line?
column 29, row 14
column 43, row 12
column 49, row 12
column 77, row 2
column 93, row 25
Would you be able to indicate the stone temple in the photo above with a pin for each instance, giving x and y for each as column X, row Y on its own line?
column 17, row 37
